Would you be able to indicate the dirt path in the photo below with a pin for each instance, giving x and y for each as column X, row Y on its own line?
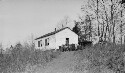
column 63, row 64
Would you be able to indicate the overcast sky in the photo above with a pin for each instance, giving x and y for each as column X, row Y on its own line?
column 20, row 18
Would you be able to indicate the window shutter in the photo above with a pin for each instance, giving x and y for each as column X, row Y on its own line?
column 38, row 43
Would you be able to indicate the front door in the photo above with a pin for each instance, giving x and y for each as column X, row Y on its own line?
column 67, row 41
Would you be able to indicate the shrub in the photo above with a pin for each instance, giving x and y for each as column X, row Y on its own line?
column 21, row 56
column 99, row 57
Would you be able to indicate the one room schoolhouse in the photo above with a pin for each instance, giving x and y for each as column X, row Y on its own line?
column 55, row 39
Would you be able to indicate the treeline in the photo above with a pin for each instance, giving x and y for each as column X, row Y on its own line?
column 100, row 18
column 21, row 57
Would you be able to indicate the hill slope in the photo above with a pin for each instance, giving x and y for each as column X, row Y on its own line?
column 90, row 60
column 65, row 63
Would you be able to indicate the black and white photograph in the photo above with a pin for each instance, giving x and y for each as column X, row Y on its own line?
column 62, row 36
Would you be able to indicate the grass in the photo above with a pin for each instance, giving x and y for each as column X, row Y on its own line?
column 25, row 58
column 94, row 59
column 101, row 58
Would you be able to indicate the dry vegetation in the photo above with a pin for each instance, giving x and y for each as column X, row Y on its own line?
column 25, row 58
column 95, row 59
column 101, row 59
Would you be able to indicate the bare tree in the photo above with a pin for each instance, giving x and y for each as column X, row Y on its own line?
column 63, row 23
column 84, row 28
column 106, row 14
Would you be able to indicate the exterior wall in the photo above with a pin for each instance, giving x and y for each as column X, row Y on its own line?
column 62, row 35
column 58, row 39
column 51, row 43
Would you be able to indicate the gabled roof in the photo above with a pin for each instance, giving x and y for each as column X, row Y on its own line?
column 52, row 33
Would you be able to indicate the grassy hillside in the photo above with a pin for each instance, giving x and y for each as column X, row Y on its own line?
column 96, row 59
column 107, row 58
column 23, row 58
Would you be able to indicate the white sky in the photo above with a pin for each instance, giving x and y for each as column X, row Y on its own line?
column 20, row 18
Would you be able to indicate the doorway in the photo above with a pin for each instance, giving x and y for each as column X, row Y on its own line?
column 67, row 41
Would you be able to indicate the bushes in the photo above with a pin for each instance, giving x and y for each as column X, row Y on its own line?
column 102, row 57
column 70, row 47
column 21, row 56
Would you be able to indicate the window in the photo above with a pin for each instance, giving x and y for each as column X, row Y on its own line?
column 47, row 42
column 38, row 43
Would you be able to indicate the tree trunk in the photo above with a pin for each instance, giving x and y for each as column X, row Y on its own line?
column 124, row 39
column 121, row 26
column 114, row 32
column 112, row 22
column 97, row 17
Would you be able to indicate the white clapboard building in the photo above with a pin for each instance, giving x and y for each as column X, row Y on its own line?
column 55, row 39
